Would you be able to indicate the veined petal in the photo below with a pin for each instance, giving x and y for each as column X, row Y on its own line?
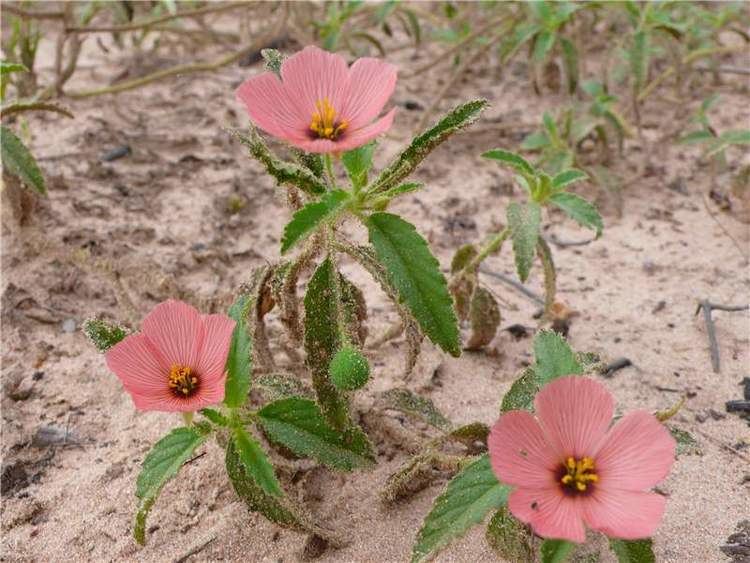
column 272, row 109
column 176, row 331
column 627, row 515
column 549, row 512
column 313, row 75
column 574, row 412
column 365, row 134
column 371, row 84
column 213, row 356
column 636, row 454
column 134, row 362
column 519, row 454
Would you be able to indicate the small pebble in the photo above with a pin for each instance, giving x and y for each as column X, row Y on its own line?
column 52, row 435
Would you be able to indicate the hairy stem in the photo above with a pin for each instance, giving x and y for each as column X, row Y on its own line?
column 550, row 277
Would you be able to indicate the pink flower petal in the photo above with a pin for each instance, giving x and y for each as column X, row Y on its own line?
column 574, row 413
column 549, row 512
column 134, row 362
column 271, row 108
column 636, row 454
column 624, row 514
column 176, row 331
column 372, row 82
column 313, row 75
column 364, row 135
column 519, row 453
column 213, row 357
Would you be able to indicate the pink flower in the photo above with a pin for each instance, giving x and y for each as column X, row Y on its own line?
column 569, row 468
column 177, row 361
column 320, row 105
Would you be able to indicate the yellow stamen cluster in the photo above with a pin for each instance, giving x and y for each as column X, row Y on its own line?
column 324, row 123
column 579, row 474
column 182, row 380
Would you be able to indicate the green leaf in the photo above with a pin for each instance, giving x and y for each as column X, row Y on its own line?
column 459, row 118
column 509, row 538
column 741, row 137
column 580, row 210
column 416, row 275
column 322, row 338
column 523, row 33
column 215, row 416
column 299, row 425
column 638, row 55
column 311, row 216
column 470, row 495
column 103, row 334
column 358, row 163
column 570, row 61
column 402, row 189
column 239, row 360
column 686, row 443
column 280, row 386
column 273, row 60
column 521, row 394
column 516, row 162
column 556, row 551
column 535, row 141
column 410, row 403
column 18, row 161
column 543, row 44
column 7, row 67
column 256, row 462
column 524, row 222
column 633, row 551
column 287, row 173
column 567, row 177
column 554, row 357
column 160, row 465
column 696, row 137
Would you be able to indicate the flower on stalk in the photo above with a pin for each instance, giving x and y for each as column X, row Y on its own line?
column 568, row 467
column 177, row 362
column 319, row 104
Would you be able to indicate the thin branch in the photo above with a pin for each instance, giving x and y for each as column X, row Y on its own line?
column 513, row 283
column 32, row 106
column 195, row 550
column 707, row 307
column 723, row 68
column 31, row 15
column 134, row 26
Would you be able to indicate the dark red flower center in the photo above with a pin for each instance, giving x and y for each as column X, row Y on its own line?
column 577, row 476
column 183, row 381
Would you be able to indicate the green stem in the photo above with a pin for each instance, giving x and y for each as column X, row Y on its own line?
column 329, row 171
column 550, row 277
column 188, row 418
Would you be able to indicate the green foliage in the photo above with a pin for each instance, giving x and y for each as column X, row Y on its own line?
column 410, row 403
column 633, row 551
column 349, row 368
column 273, row 60
column 103, row 334
column 17, row 160
column 509, row 538
column 516, row 162
column 281, row 386
column 415, row 273
column 286, row 173
column 215, row 416
column 524, row 221
column 255, row 461
column 160, row 465
column 567, row 177
column 461, row 117
column 6, row 67
column 358, row 163
column 579, row 210
column 239, row 359
column 311, row 216
column 554, row 357
column 468, row 498
column 556, row 551
column 299, row 425
column 322, row 338
column 686, row 443
column 521, row 394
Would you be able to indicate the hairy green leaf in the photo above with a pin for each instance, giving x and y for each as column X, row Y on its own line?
column 468, row 498
column 311, row 216
column 521, row 394
column 287, row 173
column 103, row 334
column 160, row 465
column 281, row 385
column 416, row 275
column 322, row 338
column 570, row 61
column 556, row 551
column 358, row 163
column 412, row 404
column 524, row 222
column 299, row 425
column 17, row 160
column 638, row 55
column 7, row 67
column 633, row 551
column 535, row 141
column 273, row 60
column 697, row 137
column 256, row 462
column 516, row 162
column 580, row 210
column 215, row 416
column 554, row 357
column 567, row 177
column 543, row 44
column 239, row 360
column 509, row 538
column 459, row 118
column 402, row 189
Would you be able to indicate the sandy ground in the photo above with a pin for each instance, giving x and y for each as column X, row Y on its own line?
column 158, row 219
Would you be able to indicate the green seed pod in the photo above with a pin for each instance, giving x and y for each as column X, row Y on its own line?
column 349, row 368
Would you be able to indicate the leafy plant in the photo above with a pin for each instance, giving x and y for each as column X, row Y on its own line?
column 524, row 222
